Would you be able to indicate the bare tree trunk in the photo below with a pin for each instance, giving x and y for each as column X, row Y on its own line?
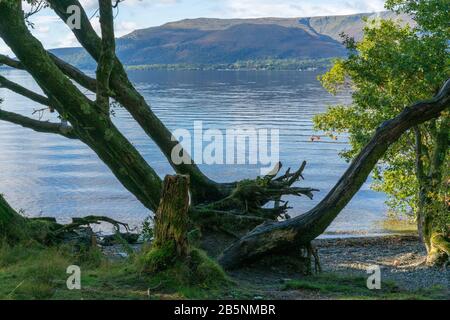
column 170, row 245
column 291, row 234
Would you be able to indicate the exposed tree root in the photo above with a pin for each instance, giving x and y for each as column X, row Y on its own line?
column 86, row 221
column 253, row 194
column 244, row 208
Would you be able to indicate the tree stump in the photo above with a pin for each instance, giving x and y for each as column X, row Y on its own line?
column 171, row 218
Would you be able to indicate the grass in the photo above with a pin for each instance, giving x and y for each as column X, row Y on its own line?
column 396, row 225
column 199, row 276
column 339, row 286
column 33, row 272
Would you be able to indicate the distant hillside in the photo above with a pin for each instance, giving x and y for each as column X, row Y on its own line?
column 352, row 25
column 225, row 41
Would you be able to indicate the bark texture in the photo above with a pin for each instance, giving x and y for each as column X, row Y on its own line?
column 15, row 228
column 107, row 54
column 11, row 223
column 171, row 219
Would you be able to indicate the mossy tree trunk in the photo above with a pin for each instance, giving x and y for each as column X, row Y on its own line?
column 92, row 125
column 170, row 244
column 433, row 210
column 11, row 223
column 171, row 218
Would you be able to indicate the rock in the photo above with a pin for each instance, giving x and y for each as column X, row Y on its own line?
column 122, row 254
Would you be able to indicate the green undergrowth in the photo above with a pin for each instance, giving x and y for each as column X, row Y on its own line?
column 31, row 271
column 340, row 286
column 195, row 275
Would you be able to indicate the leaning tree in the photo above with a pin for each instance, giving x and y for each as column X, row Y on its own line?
column 234, row 207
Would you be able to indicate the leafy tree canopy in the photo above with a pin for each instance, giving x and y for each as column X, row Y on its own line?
column 390, row 68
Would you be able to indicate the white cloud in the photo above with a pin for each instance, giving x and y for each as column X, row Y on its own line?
column 93, row 4
column 125, row 27
column 89, row 4
column 132, row 3
column 68, row 40
column 295, row 8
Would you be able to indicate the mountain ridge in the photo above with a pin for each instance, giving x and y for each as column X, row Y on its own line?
column 222, row 41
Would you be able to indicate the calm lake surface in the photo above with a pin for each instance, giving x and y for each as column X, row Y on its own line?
column 48, row 175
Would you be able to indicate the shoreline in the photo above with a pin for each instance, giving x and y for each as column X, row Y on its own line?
column 400, row 258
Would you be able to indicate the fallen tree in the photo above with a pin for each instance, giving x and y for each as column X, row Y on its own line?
column 15, row 228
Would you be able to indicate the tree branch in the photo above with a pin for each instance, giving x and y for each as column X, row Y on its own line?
column 7, row 61
column 75, row 74
column 39, row 126
column 69, row 70
column 5, row 83
column 202, row 187
column 107, row 55
column 92, row 128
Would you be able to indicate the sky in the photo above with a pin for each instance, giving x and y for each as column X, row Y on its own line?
column 138, row 14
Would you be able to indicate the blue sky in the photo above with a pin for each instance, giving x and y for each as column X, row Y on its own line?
column 135, row 14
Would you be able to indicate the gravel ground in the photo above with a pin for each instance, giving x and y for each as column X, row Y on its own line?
column 401, row 260
column 399, row 257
